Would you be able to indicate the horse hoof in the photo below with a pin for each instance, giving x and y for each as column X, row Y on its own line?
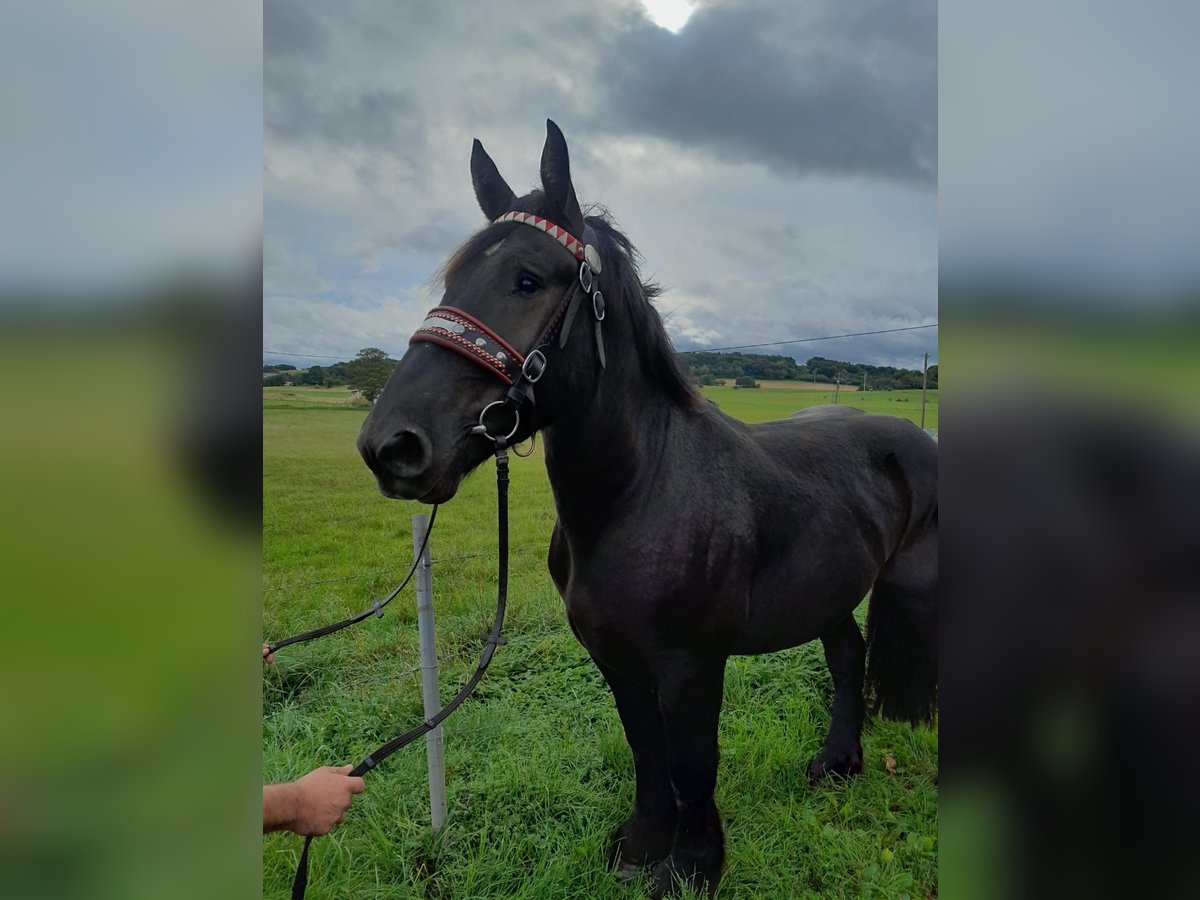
column 839, row 763
column 668, row 877
column 635, row 846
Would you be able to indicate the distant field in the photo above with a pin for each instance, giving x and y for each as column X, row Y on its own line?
column 538, row 769
column 772, row 400
column 284, row 397
column 799, row 386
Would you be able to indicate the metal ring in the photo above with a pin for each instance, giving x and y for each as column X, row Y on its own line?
column 585, row 277
column 598, row 306
column 516, row 448
column 537, row 376
column 482, row 429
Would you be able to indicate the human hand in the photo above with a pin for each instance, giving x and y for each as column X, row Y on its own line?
column 324, row 795
column 268, row 656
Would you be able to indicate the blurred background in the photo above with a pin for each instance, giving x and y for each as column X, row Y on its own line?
column 1069, row 300
column 130, row 309
column 130, row 305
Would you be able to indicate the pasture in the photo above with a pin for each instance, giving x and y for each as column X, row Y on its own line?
column 538, row 770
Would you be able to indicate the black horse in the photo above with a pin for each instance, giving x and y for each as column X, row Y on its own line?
column 683, row 536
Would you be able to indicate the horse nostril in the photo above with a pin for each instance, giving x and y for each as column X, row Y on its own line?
column 407, row 453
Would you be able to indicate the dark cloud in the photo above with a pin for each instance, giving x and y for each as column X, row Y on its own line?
column 371, row 120
column 304, row 100
column 812, row 89
column 291, row 31
column 802, row 89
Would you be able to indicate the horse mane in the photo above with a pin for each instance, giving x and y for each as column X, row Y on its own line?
column 620, row 278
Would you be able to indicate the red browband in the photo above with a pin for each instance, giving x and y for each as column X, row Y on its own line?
column 560, row 234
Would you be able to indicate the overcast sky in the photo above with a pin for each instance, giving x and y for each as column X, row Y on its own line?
column 775, row 162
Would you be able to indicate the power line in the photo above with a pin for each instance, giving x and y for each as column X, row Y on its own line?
column 828, row 337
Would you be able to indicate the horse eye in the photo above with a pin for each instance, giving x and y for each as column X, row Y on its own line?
column 526, row 284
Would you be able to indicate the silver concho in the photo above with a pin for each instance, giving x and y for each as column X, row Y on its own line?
column 592, row 256
column 447, row 324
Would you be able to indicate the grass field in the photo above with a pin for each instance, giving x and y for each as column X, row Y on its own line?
column 538, row 769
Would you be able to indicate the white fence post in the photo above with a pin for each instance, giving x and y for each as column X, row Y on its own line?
column 434, row 749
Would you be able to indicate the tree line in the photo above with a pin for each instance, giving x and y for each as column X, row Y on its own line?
column 371, row 367
column 367, row 373
column 715, row 368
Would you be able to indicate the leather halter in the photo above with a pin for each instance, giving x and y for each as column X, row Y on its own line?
column 462, row 333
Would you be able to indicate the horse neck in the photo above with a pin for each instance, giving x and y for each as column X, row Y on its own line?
column 599, row 460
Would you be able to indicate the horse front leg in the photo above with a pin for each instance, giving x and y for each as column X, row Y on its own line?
column 645, row 837
column 689, row 699
column 845, row 654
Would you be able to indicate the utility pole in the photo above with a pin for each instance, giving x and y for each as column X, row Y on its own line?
column 864, row 382
column 924, row 381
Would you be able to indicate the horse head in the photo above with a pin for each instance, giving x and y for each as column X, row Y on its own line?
column 512, row 297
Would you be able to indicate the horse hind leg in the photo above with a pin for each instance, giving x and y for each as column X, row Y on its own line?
column 845, row 654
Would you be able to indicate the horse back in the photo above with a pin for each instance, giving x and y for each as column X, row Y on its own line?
column 876, row 474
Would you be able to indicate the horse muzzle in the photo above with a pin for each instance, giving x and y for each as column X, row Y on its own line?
column 402, row 462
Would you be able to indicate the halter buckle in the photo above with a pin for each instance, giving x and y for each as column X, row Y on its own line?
column 585, row 277
column 598, row 306
column 534, row 366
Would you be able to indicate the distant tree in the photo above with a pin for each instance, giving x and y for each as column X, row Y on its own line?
column 369, row 371
column 275, row 380
column 745, row 381
column 315, row 376
column 336, row 375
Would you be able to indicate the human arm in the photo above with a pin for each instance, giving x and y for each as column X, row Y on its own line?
column 311, row 805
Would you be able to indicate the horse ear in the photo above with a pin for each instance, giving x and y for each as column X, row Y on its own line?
column 493, row 193
column 556, row 181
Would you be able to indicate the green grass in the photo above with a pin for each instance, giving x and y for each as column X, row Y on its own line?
column 538, row 770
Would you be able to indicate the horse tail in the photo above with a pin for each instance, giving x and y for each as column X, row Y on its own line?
column 902, row 673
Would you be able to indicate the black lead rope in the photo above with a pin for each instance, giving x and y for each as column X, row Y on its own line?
column 491, row 641
column 376, row 608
